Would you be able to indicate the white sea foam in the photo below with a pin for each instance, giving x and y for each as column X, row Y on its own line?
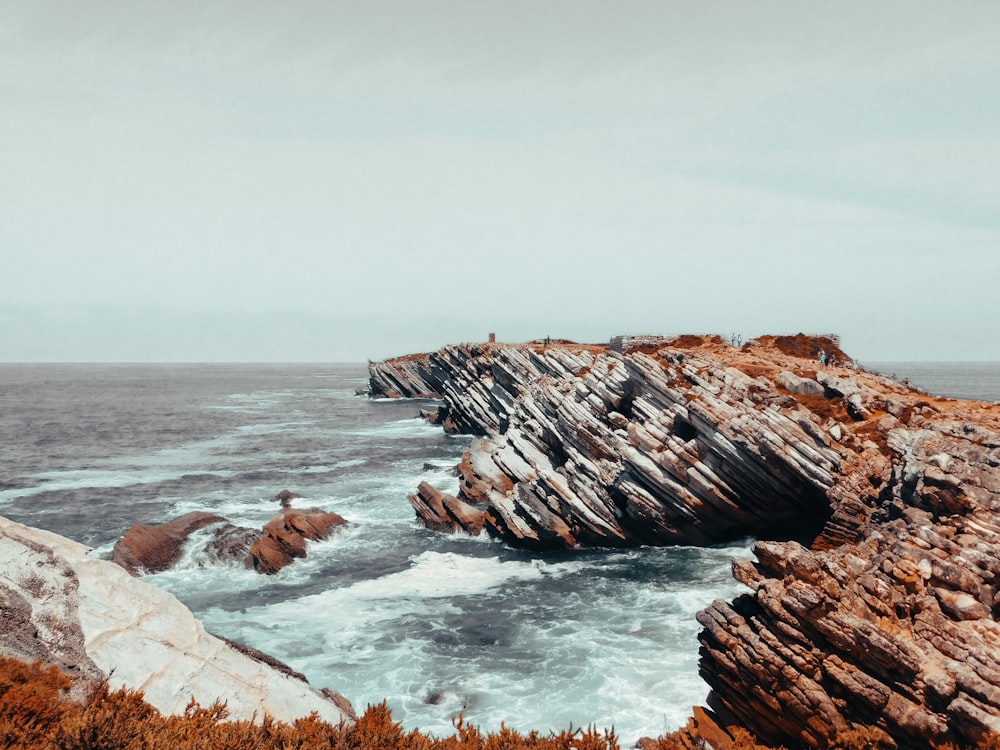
column 625, row 660
column 78, row 479
column 403, row 428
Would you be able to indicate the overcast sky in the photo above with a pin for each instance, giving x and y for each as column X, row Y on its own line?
column 331, row 181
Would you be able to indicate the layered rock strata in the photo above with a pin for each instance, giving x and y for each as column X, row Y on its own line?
column 874, row 599
column 61, row 606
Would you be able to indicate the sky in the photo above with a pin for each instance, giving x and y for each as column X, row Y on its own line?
column 306, row 180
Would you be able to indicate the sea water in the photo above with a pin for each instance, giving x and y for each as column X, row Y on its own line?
column 435, row 624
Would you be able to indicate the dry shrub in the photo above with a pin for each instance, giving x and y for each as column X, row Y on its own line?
column 36, row 714
column 865, row 738
column 687, row 341
column 31, row 702
column 824, row 408
column 744, row 740
column 109, row 721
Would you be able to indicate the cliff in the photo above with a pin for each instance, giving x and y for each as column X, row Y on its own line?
column 874, row 599
column 60, row 606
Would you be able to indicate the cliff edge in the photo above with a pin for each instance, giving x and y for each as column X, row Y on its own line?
column 874, row 598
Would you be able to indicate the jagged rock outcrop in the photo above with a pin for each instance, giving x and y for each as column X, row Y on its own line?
column 89, row 616
column 412, row 376
column 440, row 511
column 285, row 535
column 150, row 549
column 874, row 600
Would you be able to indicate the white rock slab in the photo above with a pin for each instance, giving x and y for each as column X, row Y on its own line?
column 144, row 638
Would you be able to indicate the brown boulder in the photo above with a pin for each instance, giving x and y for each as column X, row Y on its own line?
column 151, row 549
column 440, row 511
column 285, row 535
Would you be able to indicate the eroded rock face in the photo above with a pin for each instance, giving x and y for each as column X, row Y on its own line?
column 95, row 620
column 284, row 537
column 875, row 597
column 413, row 376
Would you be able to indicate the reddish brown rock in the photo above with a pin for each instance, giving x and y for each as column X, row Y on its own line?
column 285, row 497
column 151, row 549
column 440, row 511
column 285, row 535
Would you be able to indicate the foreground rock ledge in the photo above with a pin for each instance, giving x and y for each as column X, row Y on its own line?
column 874, row 600
column 60, row 606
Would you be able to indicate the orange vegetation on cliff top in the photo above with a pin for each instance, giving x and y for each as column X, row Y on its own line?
column 36, row 713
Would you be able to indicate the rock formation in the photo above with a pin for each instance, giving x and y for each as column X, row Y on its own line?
column 874, row 598
column 150, row 549
column 89, row 616
column 285, row 535
column 440, row 511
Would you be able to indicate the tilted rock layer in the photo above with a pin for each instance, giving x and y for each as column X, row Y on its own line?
column 874, row 600
column 89, row 616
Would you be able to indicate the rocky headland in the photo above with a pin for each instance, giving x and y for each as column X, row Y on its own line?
column 875, row 594
column 61, row 606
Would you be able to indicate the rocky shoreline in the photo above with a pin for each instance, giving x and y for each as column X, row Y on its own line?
column 874, row 598
column 61, row 606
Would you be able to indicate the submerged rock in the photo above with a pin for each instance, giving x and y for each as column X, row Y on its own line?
column 95, row 621
column 876, row 594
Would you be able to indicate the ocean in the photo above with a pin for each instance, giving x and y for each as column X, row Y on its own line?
column 434, row 624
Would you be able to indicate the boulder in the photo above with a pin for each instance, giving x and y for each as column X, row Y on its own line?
column 440, row 511
column 802, row 386
column 150, row 549
column 284, row 537
column 285, row 497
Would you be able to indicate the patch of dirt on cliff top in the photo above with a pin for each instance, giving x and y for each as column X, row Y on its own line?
column 804, row 346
